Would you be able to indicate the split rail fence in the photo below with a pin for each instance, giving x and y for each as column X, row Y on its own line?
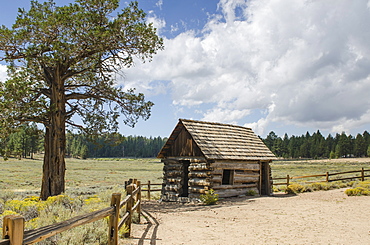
column 149, row 188
column 362, row 175
column 13, row 225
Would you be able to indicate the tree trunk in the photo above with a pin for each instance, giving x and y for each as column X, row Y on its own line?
column 53, row 182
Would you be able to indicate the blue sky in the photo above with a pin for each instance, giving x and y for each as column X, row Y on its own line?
column 273, row 65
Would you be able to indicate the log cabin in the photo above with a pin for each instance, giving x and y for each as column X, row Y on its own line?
column 199, row 156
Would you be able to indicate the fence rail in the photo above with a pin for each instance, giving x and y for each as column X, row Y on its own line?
column 13, row 225
column 148, row 189
column 327, row 175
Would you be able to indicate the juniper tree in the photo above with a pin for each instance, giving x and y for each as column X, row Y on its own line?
column 61, row 64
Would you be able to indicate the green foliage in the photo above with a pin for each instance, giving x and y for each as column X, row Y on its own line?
column 315, row 146
column 332, row 155
column 251, row 192
column 25, row 141
column 210, row 198
column 61, row 65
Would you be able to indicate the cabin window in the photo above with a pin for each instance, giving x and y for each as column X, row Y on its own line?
column 228, row 177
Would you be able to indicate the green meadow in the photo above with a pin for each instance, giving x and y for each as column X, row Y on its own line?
column 93, row 175
column 82, row 176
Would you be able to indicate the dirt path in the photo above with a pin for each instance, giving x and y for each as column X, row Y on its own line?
column 324, row 217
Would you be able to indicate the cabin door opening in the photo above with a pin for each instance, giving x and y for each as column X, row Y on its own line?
column 265, row 182
column 185, row 178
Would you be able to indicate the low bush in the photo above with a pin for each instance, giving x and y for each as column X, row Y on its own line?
column 251, row 193
column 360, row 189
column 210, row 198
column 295, row 188
column 55, row 209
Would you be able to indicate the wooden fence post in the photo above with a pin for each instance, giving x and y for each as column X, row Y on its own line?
column 327, row 176
column 149, row 190
column 113, row 220
column 362, row 174
column 129, row 190
column 13, row 229
column 287, row 180
column 138, row 199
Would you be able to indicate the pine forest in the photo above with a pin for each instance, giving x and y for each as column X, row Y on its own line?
column 28, row 140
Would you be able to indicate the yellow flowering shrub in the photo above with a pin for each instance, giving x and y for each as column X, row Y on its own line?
column 92, row 200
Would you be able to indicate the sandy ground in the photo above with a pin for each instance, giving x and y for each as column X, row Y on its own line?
column 323, row 217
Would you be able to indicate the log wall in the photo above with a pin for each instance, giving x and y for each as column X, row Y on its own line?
column 203, row 176
column 246, row 177
column 199, row 178
column 173, row 179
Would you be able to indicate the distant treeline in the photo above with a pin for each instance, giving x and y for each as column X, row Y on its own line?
column 29, row 140
column 317, row 146
column 113, row 145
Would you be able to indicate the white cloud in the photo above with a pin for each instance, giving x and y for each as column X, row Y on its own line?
column 157, row 22
column 159, row 4
column 3, row 74
column 309, row 59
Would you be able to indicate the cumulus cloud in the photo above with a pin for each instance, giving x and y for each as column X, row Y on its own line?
column 304, row 63
column 3, row 74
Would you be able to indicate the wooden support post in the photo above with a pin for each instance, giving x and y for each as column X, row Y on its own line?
column 13, row 229
column 113, row 220
column 362, row 174
column 138, row 199
column 149, row 190
column 129, row 204
column 287, row 180
column 260, row 178
column 327, row 176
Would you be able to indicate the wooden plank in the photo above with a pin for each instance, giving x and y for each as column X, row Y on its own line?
column 261, row 178
column 234, row 192
column 199, row 181
column 124, row 201
column 348, row 172
column 281, row 183
column 356, row 177
column 173, row 173
column 225, row 187
column 308, row 176
column 123, row 220
column 128, row 210
column 199, row 174
column 13, row 228
column 238, row 181
column 5, row 242
column 136, row 206
column 247, row 175
column 198, row 190
column 278, row 178
column 113, row 219
column 151, row 190
column 239, row 166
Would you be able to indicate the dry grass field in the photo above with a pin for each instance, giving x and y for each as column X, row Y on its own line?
column 323, row 217
column 94, row 175
column 90, row 176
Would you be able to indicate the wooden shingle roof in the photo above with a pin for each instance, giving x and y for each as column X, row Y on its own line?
column 222, row 141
